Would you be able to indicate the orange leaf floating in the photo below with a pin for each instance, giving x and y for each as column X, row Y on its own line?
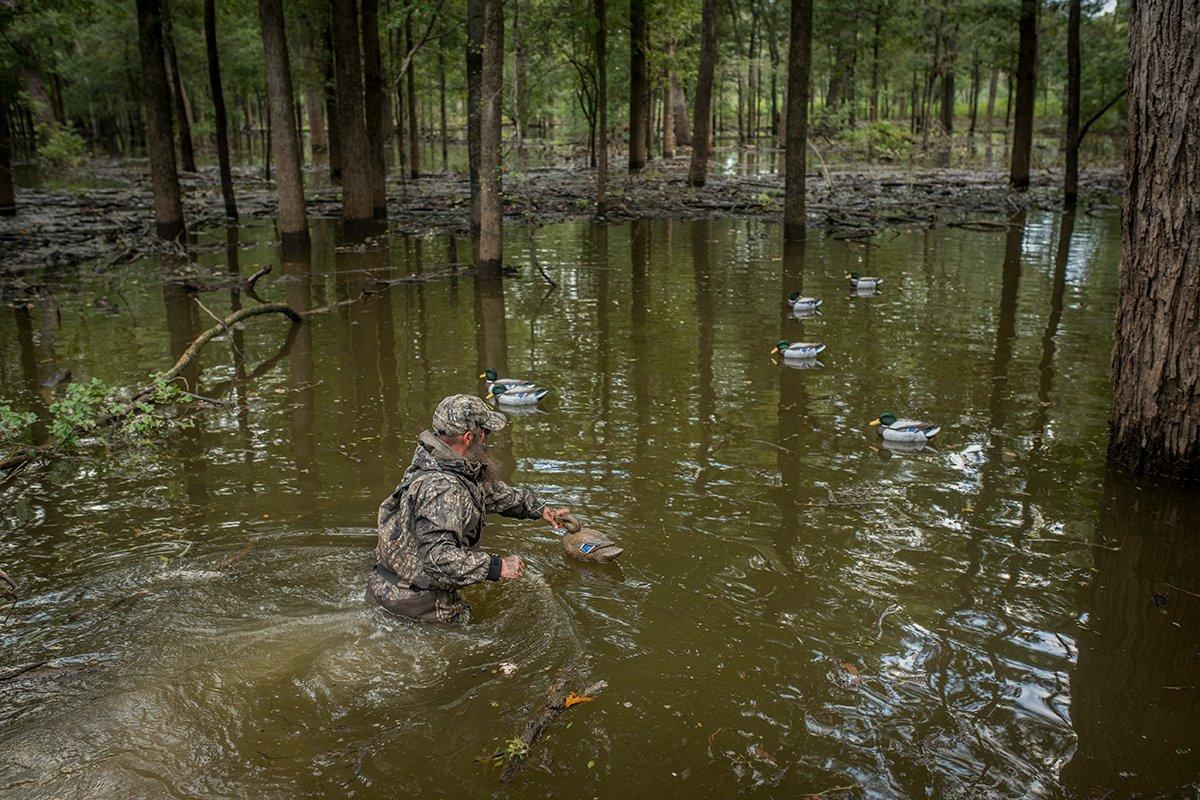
column 575, row 699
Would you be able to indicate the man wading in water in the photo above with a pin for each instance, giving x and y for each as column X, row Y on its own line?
column 429, row 526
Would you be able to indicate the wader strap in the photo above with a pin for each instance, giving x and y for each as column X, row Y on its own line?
column 390, row 577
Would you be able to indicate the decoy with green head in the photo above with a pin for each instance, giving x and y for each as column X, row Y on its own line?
column 859, row 282
column 524, row 394
column 797, row 351
column 796, row 302
column 493, row 379
column 903, row 430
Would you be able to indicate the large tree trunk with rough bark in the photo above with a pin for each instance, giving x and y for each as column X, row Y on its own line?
column 183, row 114
column 8, row 199
column 414, row 128
column 1071, row 145
column 331, row 109
column 491, row 94
column 702, row 127
column 475, row 13
column 683, row 126
column 373, row 106
column 168, row 207
column 358, row 197
column 218, row 97
column 1155, row 426
column 799, row 68
column 601, row 11
column 668, row 109
column 638, row 36
column 1022, row 148
column 289, row 183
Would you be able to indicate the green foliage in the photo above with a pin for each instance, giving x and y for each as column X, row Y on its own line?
column 79, row 409
column 13, row 423
column 63, row 148
column 84, row 405
column 883, row 140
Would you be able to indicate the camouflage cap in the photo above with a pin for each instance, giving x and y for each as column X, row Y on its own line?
column 460, row 413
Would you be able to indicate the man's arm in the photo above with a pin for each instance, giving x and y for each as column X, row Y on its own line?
column 512, row 501
column 442, row 511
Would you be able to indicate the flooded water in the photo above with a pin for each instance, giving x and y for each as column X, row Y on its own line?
column 799, row 609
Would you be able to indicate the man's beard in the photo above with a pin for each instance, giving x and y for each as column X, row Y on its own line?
column 479, row 453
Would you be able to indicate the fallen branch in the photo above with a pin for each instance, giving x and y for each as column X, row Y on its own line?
column 555, row 704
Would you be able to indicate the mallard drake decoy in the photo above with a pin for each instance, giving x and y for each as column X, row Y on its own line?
column 492, row 378
column 525, row 394
column 797, row 303
column 903, row 430
column 860, row 282
column 798, row 350
column 586, row 544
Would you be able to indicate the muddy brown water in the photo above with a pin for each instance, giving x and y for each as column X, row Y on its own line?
column 799, row 608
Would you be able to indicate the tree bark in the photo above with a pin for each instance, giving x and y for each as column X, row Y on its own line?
column 668, row 113
column 183, row 115
column 518, row 69
column 703, row 106
column 491, row 93
column 601, row 11
column 373, row 106
column 683, row 127
column 799, row 67
column 874, row 112
column 8, row 198
column 1022, row 149
column 358, row 196
column 289, row 183
column 475, row 21
column 442, row 105
column 168, row 208
column 1155, row 425
column 1071, row 145
column 637, row 84
column 414, row 129
column 331, row 111
column 220, row 122
column 948, row 87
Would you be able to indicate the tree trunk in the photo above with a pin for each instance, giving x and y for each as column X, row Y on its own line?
column 414, row 130
column 8, row 198
column 1022, row 147
column 491, row 93
column 703, row 107
column 475, row 20
column 683, row 127
column 637, row 84
column 168, row 208
column 39, row 99
column 974, row 94
column 373, row 90
column 799, row 67
column 1155, row 426
column 358, row 196
column 442, row 104
column 668, row 112
column 218, row 97
column 518, row 69
column 186, row 152
column 948, row 88
column 331, row 112
column 601, row 126
column 293, row 218
column 1071, row 178
column 874, row 113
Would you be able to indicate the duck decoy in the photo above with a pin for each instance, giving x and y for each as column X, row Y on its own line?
column 587, row 544
column 493, row 379
column 903, row 430
column 797, row 303
column 525, row 394
column 798, row 350
column 860, row 282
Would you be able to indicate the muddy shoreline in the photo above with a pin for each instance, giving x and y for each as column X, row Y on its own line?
column 113, row 224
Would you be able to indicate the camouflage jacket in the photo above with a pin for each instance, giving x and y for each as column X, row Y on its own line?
column 430, row 525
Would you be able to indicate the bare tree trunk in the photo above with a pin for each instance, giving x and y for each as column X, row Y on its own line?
column 799, row 68
column 491, row 95
column 358, row 196
column 518, row 70
column 668, row 112
column 314, row 106
column 637, row 84
column 475, row 22
column 703, row 107
column 1155, row 427
column 331, row 111
column 414, row 129
column 601, row 11
column 373, row 90
column 182, row 114
column 1071, row 178
column 683, row 127
column 948, row 87
column 8, row 198
column 1022, row 148
column 218, row 98
column 974, row 93
column 442, row 104
column 874, row 113
column 168, row 208
column 293, row 217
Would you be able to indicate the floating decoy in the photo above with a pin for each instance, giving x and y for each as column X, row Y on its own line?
column 797, row 303
column 493, row 379
column 525, row 394
column 798, row 350
column 903, row 430
column 586, row 544
column 860, row 282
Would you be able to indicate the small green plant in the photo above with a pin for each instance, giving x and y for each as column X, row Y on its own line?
column 582, row 203
column 63, row 148
column 766, row 201
column 13, row 423
column 515, row 749
column 80, row 409
column 882, row 140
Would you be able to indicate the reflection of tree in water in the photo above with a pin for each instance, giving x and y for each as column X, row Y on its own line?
column 297, row 293
column 793, row 411
column 183, row 325
column 705, row 326
column 1135, row 690
column 603, row 371
column 491, row 347
column 639, row 247
column 29, row 373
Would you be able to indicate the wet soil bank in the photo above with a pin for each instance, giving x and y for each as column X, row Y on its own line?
column 111, row 221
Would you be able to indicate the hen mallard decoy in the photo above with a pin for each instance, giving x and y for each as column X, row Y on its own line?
column 523, row 394
column 903, row 430
column 798, row 350
column 493, row 379
column 586, row 544
column 797, row 303
column 860, row 282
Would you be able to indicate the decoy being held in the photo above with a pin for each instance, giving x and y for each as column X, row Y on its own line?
column 493, row 379
column 903, row 430
column 524, row 394
column 860, row 282
column 797, row 303
column 587, row 544
column 798, row 350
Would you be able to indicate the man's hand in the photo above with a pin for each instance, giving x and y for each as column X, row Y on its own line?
column 511, row 568
column 554, row 515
